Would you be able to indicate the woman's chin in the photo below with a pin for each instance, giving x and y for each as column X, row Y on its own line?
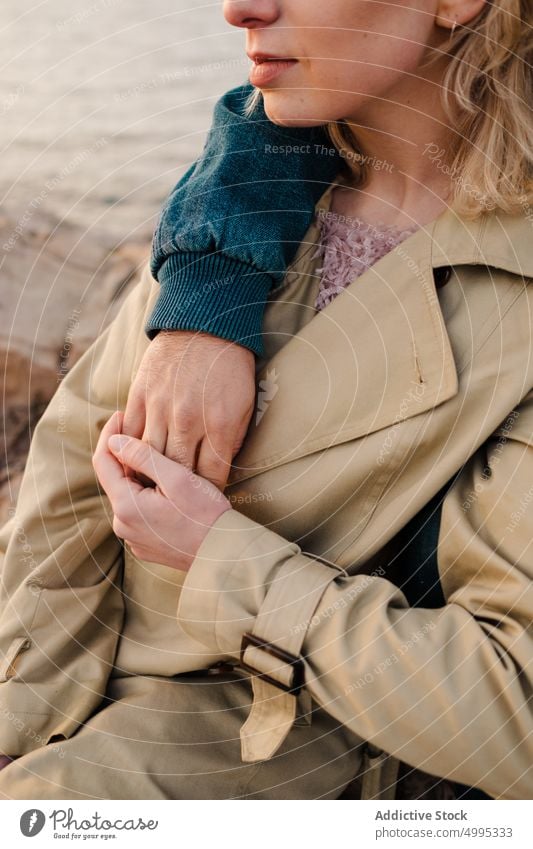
column 290, row 111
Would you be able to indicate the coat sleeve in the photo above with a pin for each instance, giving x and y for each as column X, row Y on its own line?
column 235, row 220
column 446, row 690
column 61, row 603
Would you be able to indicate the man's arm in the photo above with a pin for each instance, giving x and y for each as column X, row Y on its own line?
column 225, row 236
column 234, row 222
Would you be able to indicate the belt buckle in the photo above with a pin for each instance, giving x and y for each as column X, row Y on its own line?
column 296, row 663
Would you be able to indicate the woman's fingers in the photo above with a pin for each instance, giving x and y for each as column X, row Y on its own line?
column 109, row 470
column 144, row 459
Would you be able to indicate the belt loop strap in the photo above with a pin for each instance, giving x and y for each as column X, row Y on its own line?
column 281, row 625
column 379, row 774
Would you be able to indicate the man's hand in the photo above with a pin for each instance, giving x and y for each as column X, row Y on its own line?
column 192, row 400
column 162, row 524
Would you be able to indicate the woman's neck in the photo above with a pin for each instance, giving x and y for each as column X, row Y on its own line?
column 376, row 208
column 406, row 183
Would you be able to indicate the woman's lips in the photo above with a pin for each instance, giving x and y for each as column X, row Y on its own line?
column 266, row 70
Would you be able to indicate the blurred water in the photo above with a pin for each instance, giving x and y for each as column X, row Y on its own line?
column 104, row 103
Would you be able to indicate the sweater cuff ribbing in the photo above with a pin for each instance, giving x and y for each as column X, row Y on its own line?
column 212, row 293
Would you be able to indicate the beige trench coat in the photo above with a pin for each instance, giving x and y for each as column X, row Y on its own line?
column 366, row 409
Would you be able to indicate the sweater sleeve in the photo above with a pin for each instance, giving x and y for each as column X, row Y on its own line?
column 234, row 221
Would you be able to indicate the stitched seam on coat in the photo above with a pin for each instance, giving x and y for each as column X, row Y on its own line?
column 17, row 647
column 505, row 306
column 376, row 494
column 36, row 713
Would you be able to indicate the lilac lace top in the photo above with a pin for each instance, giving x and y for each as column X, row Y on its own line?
column 349, row 249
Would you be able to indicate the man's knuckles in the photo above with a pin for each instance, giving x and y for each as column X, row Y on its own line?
column 186, row 417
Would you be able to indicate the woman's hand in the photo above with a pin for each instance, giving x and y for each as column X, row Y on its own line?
column 192, row 400
column 162, row 524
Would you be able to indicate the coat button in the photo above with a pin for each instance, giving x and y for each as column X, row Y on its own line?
column 442, row 275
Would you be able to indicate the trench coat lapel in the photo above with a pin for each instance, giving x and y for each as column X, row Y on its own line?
column 378, row 354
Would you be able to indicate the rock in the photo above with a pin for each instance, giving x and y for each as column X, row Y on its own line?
column 60, row 287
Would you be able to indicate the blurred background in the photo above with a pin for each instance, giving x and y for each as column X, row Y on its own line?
column 103, row 106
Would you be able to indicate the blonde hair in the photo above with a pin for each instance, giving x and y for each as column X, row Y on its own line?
column 487, row 94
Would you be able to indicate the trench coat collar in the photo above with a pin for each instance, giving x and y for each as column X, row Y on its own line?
column 380, row 352
column 495, row 239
